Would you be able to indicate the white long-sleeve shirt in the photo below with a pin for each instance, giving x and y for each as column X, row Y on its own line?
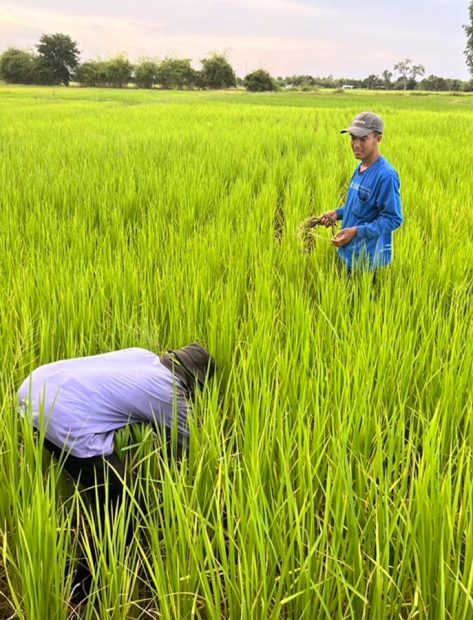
column 83, row 401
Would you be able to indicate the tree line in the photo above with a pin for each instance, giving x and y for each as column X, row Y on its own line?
column 386, row 81
column 57, row 61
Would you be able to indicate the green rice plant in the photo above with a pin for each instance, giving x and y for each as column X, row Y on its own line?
column 330, row 468
column 37, row 541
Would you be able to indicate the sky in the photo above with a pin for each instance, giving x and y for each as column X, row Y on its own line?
column 342, row 38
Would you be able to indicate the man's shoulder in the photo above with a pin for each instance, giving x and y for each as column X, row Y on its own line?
column 386, row 169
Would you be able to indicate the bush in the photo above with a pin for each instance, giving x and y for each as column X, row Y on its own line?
column 146, row 73
column 43, row 73
column 259, row 81
column 88, row 73
column 217, row 72
column 118, row 71
column 112, row 73
column 176, row 73
column 16, row 66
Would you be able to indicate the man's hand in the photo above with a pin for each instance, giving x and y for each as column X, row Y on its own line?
column 328, row 219
column 344, row 237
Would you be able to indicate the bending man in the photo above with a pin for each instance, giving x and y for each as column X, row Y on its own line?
column 80, row 403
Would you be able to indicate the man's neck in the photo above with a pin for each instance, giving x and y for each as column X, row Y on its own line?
column 369, row 161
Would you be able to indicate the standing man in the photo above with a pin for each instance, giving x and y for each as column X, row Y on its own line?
column 373, row 208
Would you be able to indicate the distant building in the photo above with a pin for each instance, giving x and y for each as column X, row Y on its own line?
column 348, row 86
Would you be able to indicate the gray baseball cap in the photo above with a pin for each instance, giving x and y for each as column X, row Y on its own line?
column 364, row 124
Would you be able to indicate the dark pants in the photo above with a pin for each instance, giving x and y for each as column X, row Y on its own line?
column 102, row 477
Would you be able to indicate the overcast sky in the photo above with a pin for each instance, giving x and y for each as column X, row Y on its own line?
column 320, row 37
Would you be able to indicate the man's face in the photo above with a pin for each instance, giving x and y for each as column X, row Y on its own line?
column 366, row 147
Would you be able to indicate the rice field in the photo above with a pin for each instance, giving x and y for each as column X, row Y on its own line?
column 330, row 469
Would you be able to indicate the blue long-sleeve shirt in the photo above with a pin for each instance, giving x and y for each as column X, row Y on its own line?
column 374, row 206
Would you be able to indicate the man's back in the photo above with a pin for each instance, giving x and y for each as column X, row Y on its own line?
column 83, row 401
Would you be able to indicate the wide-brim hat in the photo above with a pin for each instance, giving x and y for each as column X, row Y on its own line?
column 197, row 362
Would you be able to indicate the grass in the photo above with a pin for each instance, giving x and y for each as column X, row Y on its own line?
column 330, row 470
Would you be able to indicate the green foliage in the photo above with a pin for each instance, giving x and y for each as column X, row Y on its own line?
column 408, row 71
column 374, row 82
column 117, row 71
column 259, row 81
column 387, row 77
column 405, row 81
column 43, row 73
column 90, row 73
column 176, row 73
column 114, row 72
column 146, row 73
column 306, row 83
column 16, row 66
column 434, row 82
column 217, row 72
column 468, row 28
column 58, row 59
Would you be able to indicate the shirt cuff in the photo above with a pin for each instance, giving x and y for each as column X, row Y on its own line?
column 339, row 213
column 361, row 231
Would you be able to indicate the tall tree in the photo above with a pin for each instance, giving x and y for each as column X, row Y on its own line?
column 217, row 72
column 417, row 70
column 468, row 28
column 407, row 70
column 387, row 77
column 402, row 67
column 58, row 57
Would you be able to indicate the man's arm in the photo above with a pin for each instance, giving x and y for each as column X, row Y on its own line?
column 330, row 217
column 340, row 212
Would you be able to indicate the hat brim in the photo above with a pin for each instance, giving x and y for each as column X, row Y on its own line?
column 197, row 361
column 358, row 132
